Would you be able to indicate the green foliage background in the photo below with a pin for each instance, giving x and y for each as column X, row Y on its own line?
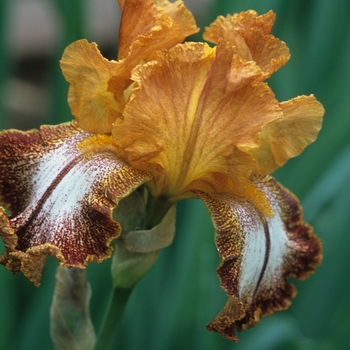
column 172, row 304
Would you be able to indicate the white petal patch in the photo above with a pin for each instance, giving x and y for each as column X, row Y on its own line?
column 256, row 246
column 265, row 246
column 58, row 214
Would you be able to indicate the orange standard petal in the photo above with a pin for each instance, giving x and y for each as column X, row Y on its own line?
column 262, row 241
column 150, row 25
column 60, row 185
column 99, row 87
column 188, row 114
column 94, row 101
column 286, row 138
column 251, row 36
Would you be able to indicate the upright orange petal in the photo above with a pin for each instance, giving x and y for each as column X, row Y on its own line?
column 160, row 24
column 99, row 88
column 92, row 99
column 286, row 138
column 250, row 34
column 189, row 113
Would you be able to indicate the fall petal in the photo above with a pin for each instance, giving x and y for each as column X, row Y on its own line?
column 286, row 138
column 262, row 240
column 60, row 185
column 193, row 133
column 250, row 34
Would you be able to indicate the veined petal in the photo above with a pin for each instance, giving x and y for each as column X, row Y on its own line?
column 287, row 137
column 250, row 34
column 60, row 185
column 188, row 114
column 262, row 240
column 93, row 100
column 163, row 24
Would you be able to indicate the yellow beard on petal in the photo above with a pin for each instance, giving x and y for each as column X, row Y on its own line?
column 93, row 144
column 254, row 194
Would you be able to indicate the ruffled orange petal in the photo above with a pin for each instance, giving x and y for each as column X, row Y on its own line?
column 92, row 99
column 160, row 24
column 262, row 240
column 99, row 88
column 286, row 138
column 189, row 113
column 250, row 34
column 61, row 185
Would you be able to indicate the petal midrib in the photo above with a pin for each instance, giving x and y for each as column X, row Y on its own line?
column 194, row 120
column 267, row 252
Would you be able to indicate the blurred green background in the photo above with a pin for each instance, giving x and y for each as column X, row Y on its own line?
column 172, row 304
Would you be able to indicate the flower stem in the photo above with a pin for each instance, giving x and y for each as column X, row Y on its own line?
column 117, row 303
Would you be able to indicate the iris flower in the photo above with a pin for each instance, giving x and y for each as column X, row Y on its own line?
column 177, row 120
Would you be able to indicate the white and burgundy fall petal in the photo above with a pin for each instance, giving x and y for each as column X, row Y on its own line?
column 60, row 185
column 262, row 240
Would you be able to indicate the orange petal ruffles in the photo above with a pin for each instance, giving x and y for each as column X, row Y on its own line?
column 250, row 34
column 98, row 90
column 224, row 113
column 183, row 120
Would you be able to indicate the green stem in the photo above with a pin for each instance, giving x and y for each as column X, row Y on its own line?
column 117, row 303
column 137, row 263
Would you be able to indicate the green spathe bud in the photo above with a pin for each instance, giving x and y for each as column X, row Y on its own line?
column 135, row 251
column 71, row 326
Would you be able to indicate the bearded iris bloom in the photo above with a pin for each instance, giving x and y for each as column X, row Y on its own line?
column 174, row 121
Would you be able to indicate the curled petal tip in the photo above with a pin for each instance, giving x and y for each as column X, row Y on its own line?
column 93, row 100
